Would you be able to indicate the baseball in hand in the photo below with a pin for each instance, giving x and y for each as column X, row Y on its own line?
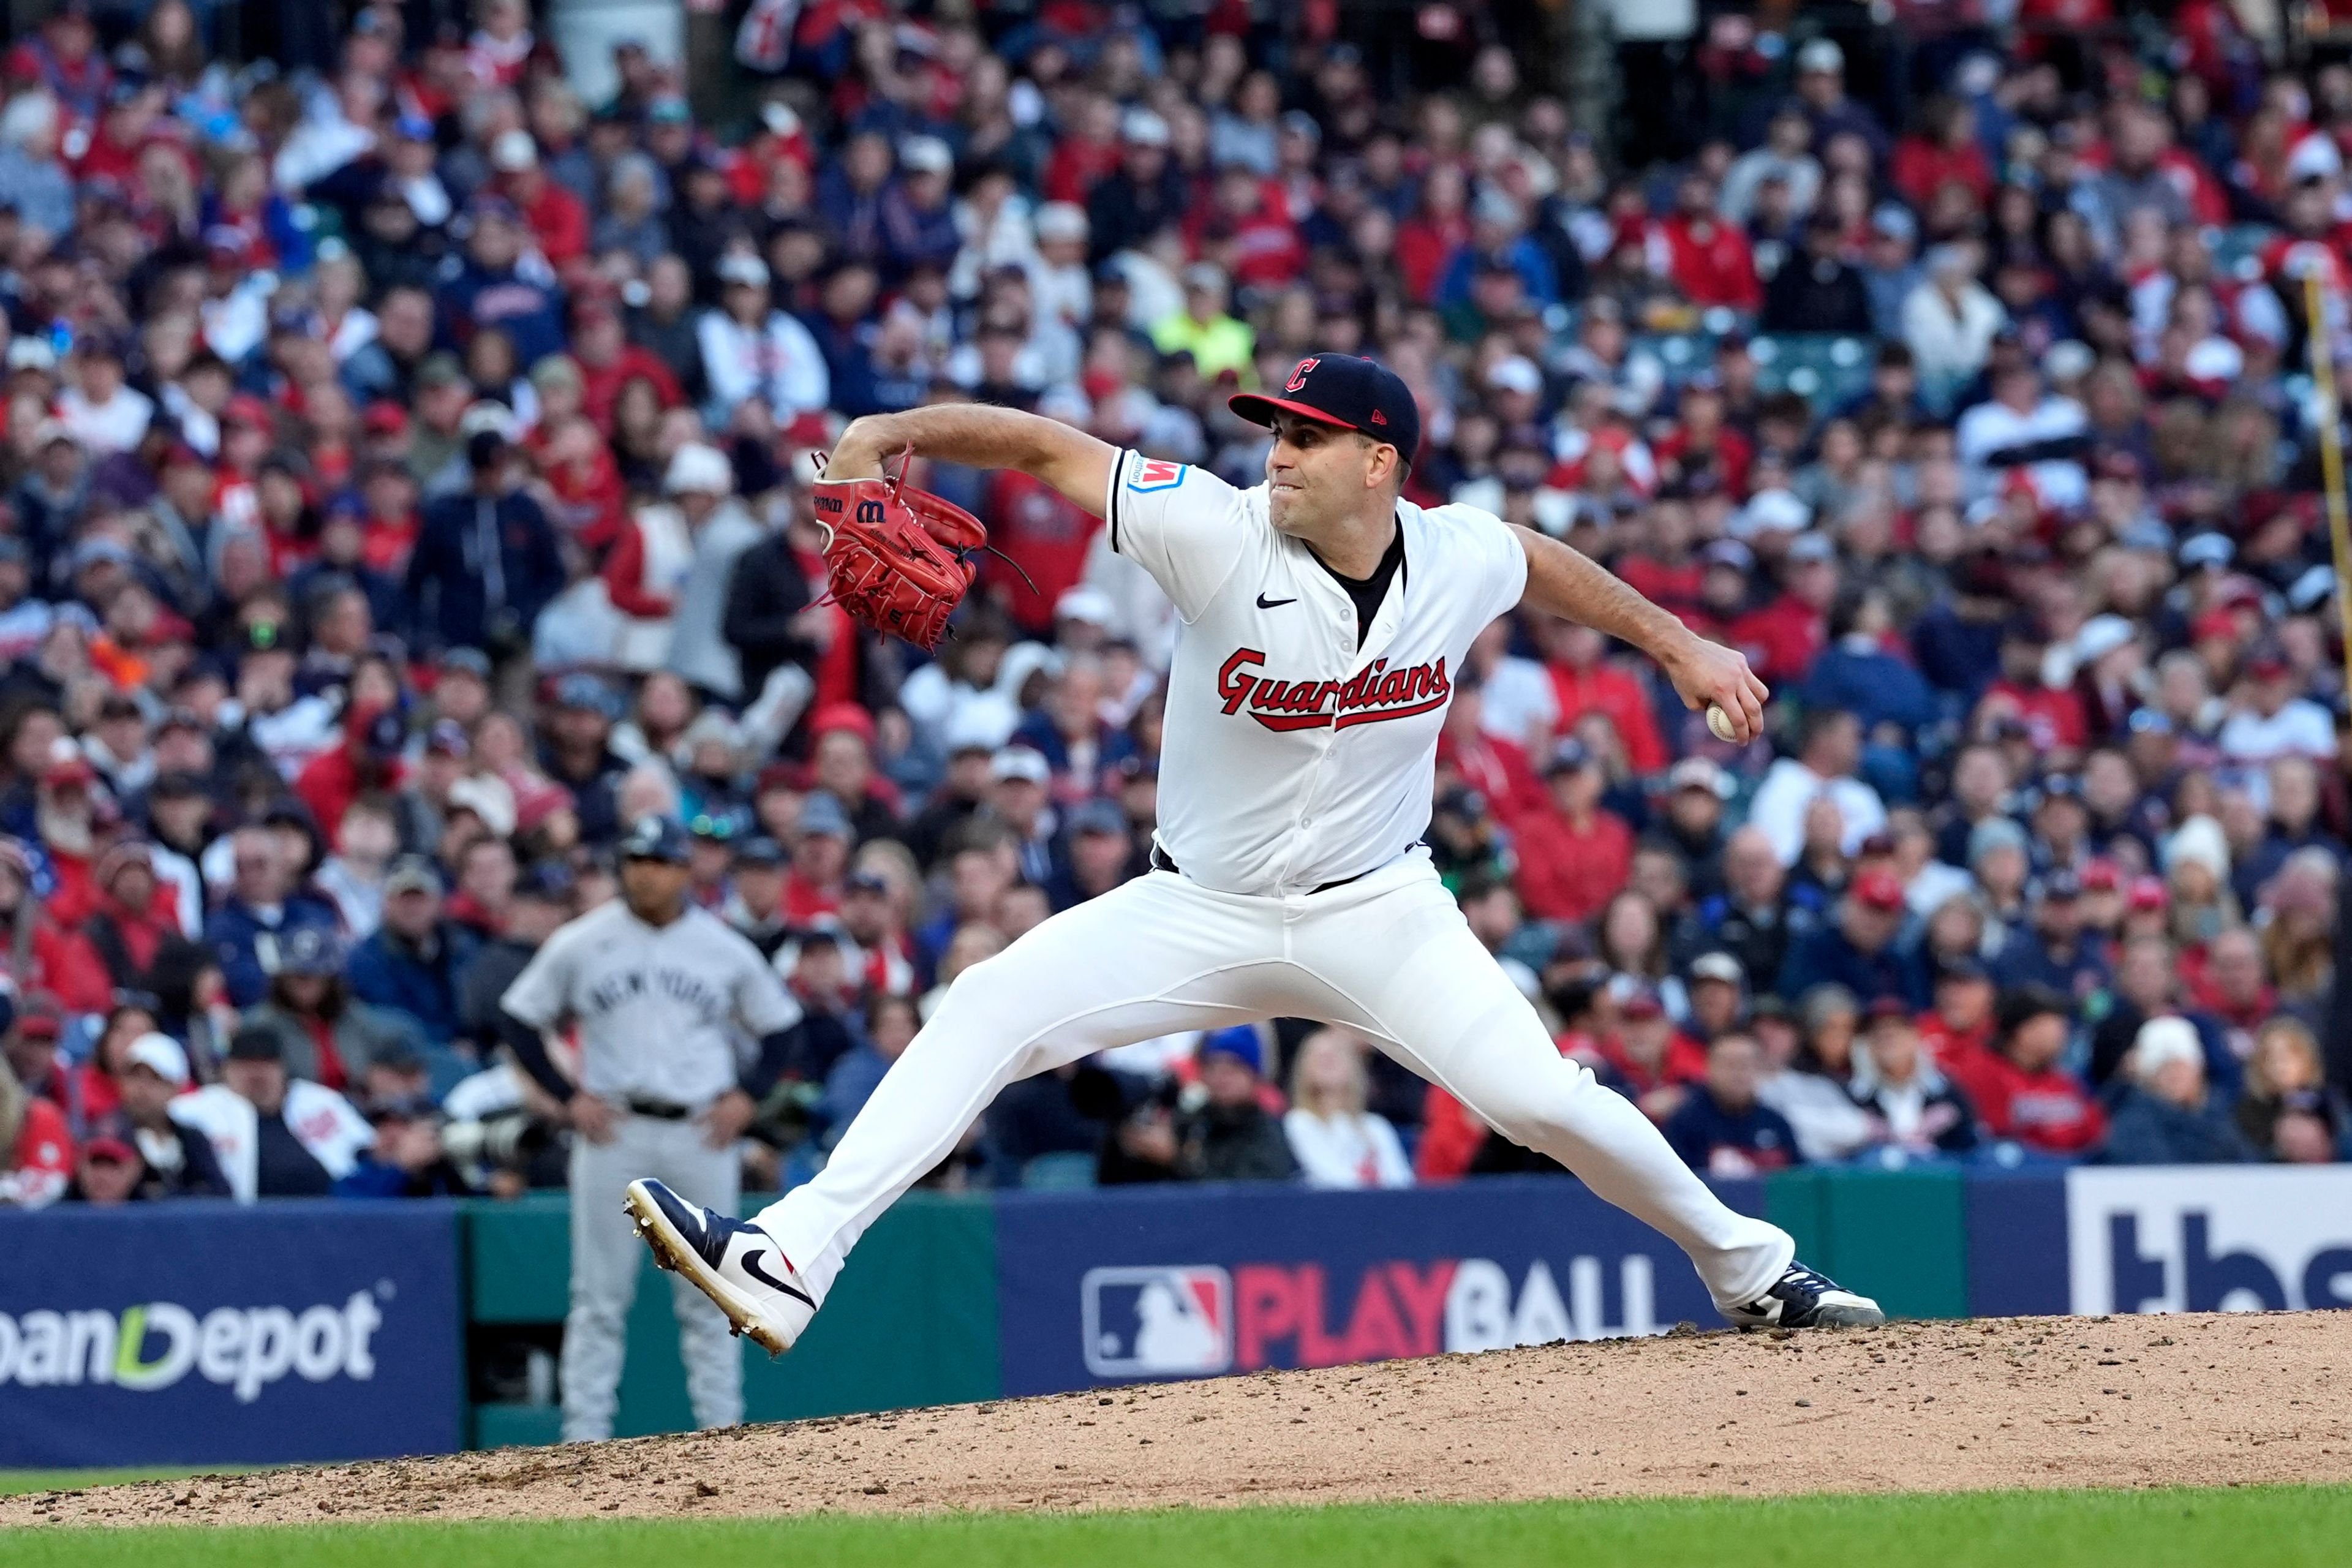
column 1719, row 722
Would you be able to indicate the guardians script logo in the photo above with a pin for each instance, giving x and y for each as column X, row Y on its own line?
column 1373, row 694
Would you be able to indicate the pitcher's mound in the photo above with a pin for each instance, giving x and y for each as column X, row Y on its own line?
column 2025, row 1402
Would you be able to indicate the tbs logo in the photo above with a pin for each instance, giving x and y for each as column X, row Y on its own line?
column 1172, row 1320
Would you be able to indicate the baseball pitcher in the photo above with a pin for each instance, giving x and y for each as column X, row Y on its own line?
column 1323, row 622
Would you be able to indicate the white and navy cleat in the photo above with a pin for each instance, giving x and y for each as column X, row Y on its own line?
column 1803, row 1299
column 737, row 1266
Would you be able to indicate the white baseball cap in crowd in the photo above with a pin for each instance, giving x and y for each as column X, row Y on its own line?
column 1699, row 773
column 487, row 418
column 160, row 1053
column 1820, row 55
column 1810, row 547
column 749, row 271
column 700, row 470
column 2100, row 636
column 512, row 152
column 1516, row 372
column 1083, row 603
column 2068, row 359
column 926, row 156
column 1204, row 275
column 26, row 352
column 1061, row 221
column 1020, row 762
column 1770, row 512
column 1144, row 128
column 488, row 798
column 1717, row 966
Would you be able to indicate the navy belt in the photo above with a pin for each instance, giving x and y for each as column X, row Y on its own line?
column 659, row 1110
column 1161, row 862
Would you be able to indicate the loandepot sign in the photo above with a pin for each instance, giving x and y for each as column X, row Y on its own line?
column 157, row 1344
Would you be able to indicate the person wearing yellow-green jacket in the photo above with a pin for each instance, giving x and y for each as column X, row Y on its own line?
column 1217, row 341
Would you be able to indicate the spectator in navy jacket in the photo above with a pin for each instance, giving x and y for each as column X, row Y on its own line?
column 486, row 561
column 1858, row 951
column 2165, row 1117
column 416, row 960
column 2057, row 951
column 1857, row 673
column 1724, row 1130
column 263, row 910
column 487, row 288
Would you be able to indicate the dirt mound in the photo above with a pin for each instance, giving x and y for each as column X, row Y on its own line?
column 2027, row 1402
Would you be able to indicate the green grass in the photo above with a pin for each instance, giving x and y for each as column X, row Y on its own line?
column 2275, row 1526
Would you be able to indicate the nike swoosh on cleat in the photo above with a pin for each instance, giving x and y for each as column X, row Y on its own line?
column 752, row 1267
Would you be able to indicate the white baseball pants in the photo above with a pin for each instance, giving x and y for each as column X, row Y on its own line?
column 606, row 1254
column 1389, row 955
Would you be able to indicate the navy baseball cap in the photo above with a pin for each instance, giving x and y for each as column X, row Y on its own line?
column 760, row 850
column 1341, row 389
column 655, row 838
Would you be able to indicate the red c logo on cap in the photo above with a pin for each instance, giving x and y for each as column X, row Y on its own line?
column 1297, row 382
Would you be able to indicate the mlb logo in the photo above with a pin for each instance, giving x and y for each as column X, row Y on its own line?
column 1156, row 474
column 1172, row 1320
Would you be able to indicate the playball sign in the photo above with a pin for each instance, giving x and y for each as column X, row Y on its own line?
column 1154, row 1286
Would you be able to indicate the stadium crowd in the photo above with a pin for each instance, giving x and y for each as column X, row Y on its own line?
column 406, row 482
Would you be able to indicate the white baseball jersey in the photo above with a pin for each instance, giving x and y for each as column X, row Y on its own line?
column 1292, row 756
column 656, row 1005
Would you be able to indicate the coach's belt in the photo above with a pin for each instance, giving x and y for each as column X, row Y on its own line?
column 659, row 1110
column 1161, row 862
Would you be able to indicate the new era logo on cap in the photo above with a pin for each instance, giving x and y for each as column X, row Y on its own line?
column 1344, row 390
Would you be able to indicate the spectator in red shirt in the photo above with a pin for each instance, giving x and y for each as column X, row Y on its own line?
column 2016, row 1085
column 2053, row 714
column 37, row 1154
column 1782, row 637
column 820, row 860
column 1039, row 542
column 65, row 814
column 1652, row 1063
column 608, row 361
column 60, row 958
column 1495, row 767
column 2232, row 985
column 1701, row 444
column 367, row 760
column 1707, row 258
column 557, row 220
column 1427, row 240
column 1961, row 1021
column 1086, row 154
column 1574, row 856
column 1944, row 150
column 1247, row 229
column 1584, row 682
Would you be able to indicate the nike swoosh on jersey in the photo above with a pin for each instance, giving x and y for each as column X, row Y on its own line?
column 1265, row 604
